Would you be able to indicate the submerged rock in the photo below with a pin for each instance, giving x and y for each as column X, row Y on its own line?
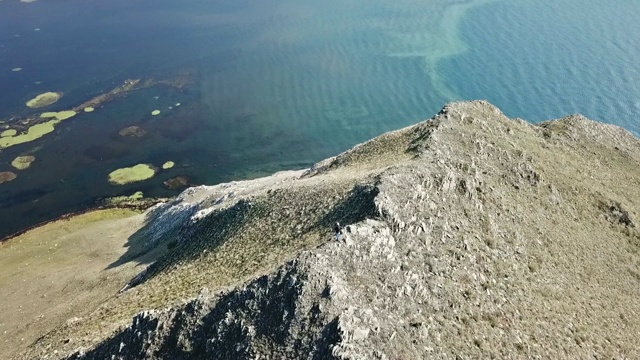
column 176, row 182
column 132, row 131
column 6, row 176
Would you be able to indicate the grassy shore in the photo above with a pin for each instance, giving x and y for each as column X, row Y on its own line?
column 57, row 272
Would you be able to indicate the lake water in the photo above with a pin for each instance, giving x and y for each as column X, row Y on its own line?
column 280, row 84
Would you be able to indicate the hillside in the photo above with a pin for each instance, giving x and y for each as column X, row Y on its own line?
column 468, row 235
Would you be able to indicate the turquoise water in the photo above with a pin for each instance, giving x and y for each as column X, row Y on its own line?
column 280, row 84
column 542, row 60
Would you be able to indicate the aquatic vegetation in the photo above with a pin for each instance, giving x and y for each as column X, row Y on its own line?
column 34, row 132
column 132, row 131
column 60, row 115
column 50, row 114
column 155, row 112
column 6, row 176
column 168, row 165
column 64, row 115
column 124, row 199
column 23, row 162
column 135, row 173
column 88, row 109
column 136, row 196
column 43, row 100
column 9, row 132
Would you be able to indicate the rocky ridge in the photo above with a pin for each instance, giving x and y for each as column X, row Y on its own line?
column 470, row 235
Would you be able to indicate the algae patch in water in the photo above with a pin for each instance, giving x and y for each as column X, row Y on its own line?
column 50, row 114
column 89, row 109
column 10, row 132
column 168, row 165
column 124, row 199
column 23, row 162
column 60, row 115
column 34, row 132
column 128, row 175
column 43, row 100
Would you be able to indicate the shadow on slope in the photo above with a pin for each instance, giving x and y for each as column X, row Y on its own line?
column 183, row 243
column 359, row 205
column 267, row 219
column 252, row 322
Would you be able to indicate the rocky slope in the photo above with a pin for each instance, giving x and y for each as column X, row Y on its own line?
column 470, row 235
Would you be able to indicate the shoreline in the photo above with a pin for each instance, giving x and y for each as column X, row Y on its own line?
column 130, row 206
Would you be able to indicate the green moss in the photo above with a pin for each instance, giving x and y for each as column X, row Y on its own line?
column 43, row 100
column 23, row 162
column 128, row 175
column 168, row 165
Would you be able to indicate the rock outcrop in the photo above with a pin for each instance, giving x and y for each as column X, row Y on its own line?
column 470, row 235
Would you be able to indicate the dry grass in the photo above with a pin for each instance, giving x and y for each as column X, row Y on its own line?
column 57, row 272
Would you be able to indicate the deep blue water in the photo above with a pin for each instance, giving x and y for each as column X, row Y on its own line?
column 280, row 84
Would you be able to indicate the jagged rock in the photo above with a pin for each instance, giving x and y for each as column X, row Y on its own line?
column 469, row 236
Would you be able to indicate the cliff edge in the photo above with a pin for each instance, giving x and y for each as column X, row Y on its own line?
column 469, row 235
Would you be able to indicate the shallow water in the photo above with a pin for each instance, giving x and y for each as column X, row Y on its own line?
column 280, row 84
